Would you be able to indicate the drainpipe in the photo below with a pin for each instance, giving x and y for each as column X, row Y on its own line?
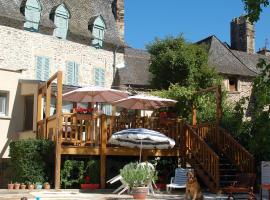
column 114, row 59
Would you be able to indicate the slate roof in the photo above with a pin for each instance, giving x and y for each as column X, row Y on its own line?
column 81, row 12
column 227, row 61
column 136, row 70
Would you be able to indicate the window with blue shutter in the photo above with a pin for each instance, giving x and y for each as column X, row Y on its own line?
column 98, row 32
column 107, row 109
column 72, row 73
column 32, row 15
column 42, row 68
column 99, row 77
column 61, row 20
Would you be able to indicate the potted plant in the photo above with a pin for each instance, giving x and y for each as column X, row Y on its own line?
column 30, row 186
column 38, row 185
column 23, row 186
column 46, row 185
column 91, row 179
column 17, row 186
column 10, row 185
column 138, row 177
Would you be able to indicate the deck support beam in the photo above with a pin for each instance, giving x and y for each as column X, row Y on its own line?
column 103, row 147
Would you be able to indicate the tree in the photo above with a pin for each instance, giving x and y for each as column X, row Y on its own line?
column 254, row 8
column 175, row 61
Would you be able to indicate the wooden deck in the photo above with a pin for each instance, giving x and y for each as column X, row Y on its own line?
column 85, row 134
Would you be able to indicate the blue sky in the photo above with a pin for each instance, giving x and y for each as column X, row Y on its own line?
column 148, row 19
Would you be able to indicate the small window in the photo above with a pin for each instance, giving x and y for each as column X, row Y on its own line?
column 99, row 77
column 3, row 103
column 72, row 73
column 42, row 68
column 114, row 9
column 32, row 15
column 61, row 19
column 98, row 31
column 233, row 85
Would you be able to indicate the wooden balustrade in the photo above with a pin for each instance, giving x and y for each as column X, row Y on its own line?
column 237, row 154
column 225, row 143
column 204, row 156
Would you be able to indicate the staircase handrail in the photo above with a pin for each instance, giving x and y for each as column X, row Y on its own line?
column 237, row 154
column 203, row 154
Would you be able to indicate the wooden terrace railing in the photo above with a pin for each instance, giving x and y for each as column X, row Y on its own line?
column 85, row 129
column 226, row 144
column 202, row 157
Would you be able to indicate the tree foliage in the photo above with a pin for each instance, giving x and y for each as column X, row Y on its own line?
column 175, row 61
column 254, row 8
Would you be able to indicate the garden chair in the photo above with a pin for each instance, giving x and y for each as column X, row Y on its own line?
column 179, row 180
column 244, row 185
column 122, row 188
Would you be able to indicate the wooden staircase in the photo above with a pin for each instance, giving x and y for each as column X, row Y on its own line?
column 214, row 154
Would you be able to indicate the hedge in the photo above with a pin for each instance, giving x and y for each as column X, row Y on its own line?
column 32, row 160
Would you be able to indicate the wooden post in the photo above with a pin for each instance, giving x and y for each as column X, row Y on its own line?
column 103, row 151
column 194, row 115
column 39, row 112
column 183, row 147
column 218, row 112
column 48, row 106
column 58, row 131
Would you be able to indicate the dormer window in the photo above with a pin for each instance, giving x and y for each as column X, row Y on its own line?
column 32, row 15
column 61, row 19
column 97, row 26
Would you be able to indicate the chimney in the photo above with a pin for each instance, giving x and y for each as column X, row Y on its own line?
column 242, row 35
column 118, row 9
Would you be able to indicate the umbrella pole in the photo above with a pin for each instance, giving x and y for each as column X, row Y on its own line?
column 141, row 152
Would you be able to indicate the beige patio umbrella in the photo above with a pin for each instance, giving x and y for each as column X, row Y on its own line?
column 95, row 94
column 144, row 102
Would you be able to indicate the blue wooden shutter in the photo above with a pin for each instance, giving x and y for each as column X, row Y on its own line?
column 32, row 15
column 46, row 68
column 61, row 21
column 107, row 109
column 98, row 32
column 69, row 72
column 102, row 77
column 76, row 74
column 96, row 76
column 39, row 68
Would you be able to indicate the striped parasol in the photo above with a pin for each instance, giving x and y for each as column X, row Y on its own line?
column 141, row 138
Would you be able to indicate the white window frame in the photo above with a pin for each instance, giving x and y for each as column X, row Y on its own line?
column 5, row 104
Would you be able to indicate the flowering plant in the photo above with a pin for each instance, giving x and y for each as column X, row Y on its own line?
column 81, row 110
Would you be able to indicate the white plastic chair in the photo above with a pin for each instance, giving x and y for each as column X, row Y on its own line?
column 179, row 180
column 122, row 188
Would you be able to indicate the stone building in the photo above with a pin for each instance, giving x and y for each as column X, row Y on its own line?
column 84, row 39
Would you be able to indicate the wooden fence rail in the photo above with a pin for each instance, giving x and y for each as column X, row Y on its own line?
column 204, row 156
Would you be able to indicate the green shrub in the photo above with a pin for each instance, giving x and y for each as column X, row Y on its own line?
column 72, row 173
column 136, row 175
column 92, row 170
column 32, row 160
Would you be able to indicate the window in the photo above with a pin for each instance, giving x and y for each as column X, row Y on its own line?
column 42, row 68
column 233, row 85
column 98, row 31
column 72, row 73
column 32, row 15
column 114, row 9
column 3, row 103
column 61, row 19
column 99, row 77
column 107, row 109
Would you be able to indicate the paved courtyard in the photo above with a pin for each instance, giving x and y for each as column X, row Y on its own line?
column 80, row 195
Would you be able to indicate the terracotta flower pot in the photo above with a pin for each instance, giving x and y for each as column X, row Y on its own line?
column 10, row 186
column 23, row 186
column 139, row 192
column 30, row 186
column 17, row 186
column 46, row 186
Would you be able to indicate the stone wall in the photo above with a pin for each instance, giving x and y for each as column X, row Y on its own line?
column 244, row 86
column 19, row 48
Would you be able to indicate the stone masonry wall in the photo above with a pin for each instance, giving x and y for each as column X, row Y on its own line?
column 19, row 48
